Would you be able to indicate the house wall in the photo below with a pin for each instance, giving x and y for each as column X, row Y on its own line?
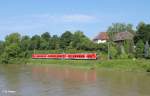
column 101, row 41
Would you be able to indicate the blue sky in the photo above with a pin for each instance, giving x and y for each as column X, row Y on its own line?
column 30, row 17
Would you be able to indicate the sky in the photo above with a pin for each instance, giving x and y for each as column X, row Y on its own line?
column 30, row 17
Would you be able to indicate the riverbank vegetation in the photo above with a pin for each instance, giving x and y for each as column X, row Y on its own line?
column 18, row 49
column 141, row 65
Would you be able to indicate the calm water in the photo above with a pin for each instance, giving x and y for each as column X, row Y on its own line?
column 31, row 80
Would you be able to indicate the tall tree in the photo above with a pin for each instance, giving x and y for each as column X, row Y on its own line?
column 143, row 32
column 55, row 42
column 140, row 49
column 80, row 41
column 2, row 47
column 77, row 39
column 65, row 39
column 35, row 42
column 45, row 41
column 11, row 53
column 13, row 38
column 12, row 48
column 46, row 36
column 25, row 43
column 119, row 27
column 44, row 45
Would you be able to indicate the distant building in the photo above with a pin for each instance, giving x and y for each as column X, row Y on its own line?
column 122, row 39
column 102, row 37
column 122, row 36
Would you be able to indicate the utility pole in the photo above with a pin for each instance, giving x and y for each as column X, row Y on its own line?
column 108, row 51
column 34, row 50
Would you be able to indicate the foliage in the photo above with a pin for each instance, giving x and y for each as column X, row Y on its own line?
column 46, row 36
column 25, row 43
column 65, row 39
column 13, row 38
column 55, row 42
column 118, row 65
column 77, row 39
column 140, row 49
column 113, row 50
column 143, row 32
column 35, row 42
column 11, row 52
column 81, row 42
column 126, row 48
column 129, row 46
column 119, row 27
column 2, row 47
column 43, row 44
column 16, row 47
column 45, row 41
column 125, row 65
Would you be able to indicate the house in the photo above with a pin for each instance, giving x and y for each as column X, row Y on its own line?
column 122, row 39
column 122, row 36
column 102, row 37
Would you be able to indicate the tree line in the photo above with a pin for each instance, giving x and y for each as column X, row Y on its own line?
column 16, row 47
column 138, row 47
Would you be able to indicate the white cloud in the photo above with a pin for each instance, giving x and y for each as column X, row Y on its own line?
column 42, row 20
column 72, row 18
column 81, row 18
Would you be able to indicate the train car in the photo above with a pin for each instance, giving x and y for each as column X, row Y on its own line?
column 75, row 56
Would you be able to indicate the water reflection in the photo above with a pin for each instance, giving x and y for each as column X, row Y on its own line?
column 124, row 83
column 64, row 74
column 30, row 80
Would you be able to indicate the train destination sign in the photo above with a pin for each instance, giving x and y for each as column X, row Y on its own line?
column 65, row 56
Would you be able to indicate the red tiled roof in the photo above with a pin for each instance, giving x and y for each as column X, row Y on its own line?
column 102, row 36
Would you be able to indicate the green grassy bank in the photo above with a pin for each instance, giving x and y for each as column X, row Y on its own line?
column 119, row 65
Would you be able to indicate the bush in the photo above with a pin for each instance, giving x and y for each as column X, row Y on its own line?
column 131, row 56
column 140, row 49
column 123, row 56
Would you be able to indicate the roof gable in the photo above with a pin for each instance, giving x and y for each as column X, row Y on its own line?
column 102, row 36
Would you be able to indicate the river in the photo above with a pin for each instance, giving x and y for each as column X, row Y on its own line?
column 48, row 80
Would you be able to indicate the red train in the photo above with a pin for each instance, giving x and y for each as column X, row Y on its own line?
column 65, row 56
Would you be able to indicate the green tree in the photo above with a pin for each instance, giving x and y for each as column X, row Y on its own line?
column 85, row 44
column 13, row 38
column 45, row 41
column 119, row 27
column 113, row 52
column 12, row 49
column 103, row 47
column 35, row 42
column 77, row 39
column 25, row 43
column 2, row 47
column 12, row 52
column 143, row 32
column 55, row 42
column 44, row 45
column 81, row 42
column 46, row 36
column 66, row 39
column 140, row 49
